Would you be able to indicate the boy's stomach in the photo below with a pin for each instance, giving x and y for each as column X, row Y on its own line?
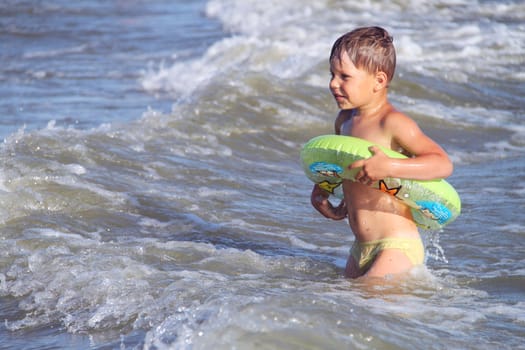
column 374, row 215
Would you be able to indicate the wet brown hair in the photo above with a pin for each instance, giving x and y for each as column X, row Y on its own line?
column 369, row 48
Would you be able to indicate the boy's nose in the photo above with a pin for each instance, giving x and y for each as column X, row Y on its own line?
column 333, row 84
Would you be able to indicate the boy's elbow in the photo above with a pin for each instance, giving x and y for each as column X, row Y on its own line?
column 447, row 169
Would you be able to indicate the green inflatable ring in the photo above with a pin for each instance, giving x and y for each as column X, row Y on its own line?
column 326, row 158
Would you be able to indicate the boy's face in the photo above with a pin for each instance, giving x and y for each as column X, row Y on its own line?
column 350, row 86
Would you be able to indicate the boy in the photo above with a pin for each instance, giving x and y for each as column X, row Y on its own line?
column 387, row 241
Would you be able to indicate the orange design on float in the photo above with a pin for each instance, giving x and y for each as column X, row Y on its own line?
column 392, row 191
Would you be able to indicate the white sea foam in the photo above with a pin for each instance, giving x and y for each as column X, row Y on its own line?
column 514, row 227
column 287, row 46
column 54, row 53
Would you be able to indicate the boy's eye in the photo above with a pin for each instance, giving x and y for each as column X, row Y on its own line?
column 340, row 76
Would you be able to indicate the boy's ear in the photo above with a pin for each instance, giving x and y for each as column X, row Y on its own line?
column 381, row 80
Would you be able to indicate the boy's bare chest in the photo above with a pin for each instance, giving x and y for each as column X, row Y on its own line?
column 369, row 130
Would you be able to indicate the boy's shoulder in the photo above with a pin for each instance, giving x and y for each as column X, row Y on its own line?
column 402, row 130
column 395, row 120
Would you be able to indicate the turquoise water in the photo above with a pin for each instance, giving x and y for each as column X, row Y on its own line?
column 152, row 196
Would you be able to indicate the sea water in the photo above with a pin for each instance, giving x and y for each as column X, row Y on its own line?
column 152, row 196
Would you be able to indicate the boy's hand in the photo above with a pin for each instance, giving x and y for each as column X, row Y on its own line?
column 319, row 199
column 373, row 169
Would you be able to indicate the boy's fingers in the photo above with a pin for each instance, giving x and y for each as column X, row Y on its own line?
column 357, row 164
column 374, row 149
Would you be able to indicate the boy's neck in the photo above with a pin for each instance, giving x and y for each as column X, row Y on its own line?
column 372, row 109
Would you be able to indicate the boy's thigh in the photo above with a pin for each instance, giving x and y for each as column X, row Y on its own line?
column 389, row 261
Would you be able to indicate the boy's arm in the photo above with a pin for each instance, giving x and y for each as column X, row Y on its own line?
column 319, row 197
column 319, row 200
column 430, row 161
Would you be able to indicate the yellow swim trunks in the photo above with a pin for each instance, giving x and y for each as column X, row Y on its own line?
column 364, row 253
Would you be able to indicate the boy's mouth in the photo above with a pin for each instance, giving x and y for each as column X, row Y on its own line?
column 338, row 97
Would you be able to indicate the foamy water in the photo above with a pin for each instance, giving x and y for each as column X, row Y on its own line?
column 152, row 197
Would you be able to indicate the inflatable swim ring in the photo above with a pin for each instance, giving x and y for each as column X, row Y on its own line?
column 325, row 160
